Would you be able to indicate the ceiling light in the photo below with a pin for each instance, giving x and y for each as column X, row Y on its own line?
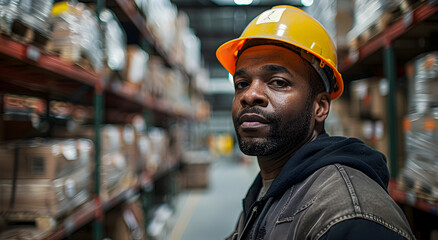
column 243, row 2
column 307, row 3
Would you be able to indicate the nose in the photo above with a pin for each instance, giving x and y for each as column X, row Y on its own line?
column 254, row 95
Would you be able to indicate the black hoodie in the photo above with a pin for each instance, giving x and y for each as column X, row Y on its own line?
column 324, row 150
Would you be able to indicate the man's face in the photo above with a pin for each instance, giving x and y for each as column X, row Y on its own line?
column 272, row 107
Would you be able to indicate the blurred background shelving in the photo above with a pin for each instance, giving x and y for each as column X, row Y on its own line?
column 111, row 109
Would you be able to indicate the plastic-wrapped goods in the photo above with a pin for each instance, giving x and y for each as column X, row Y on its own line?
column 161, row 17
column 137, row 66
column 113, row 170
column 420, row 172
column 114, row 41
column 76, row 34
column 44, row 178
column 423, row 81
column 368, row 13
column 336, row 16
column 192, row 46
column 109, row 136
column 31, row 13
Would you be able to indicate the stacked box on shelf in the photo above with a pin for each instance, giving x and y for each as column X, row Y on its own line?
column 44, row 178
column 364, row 115
column 159, row 150
column 167, row 84
column 136, row 68
column 117, row 172
column 125, row 222
column 18, row 16
column 420, row 172
column 195, row 172
column 76, row 35
column 336, row 16
column 156, row 77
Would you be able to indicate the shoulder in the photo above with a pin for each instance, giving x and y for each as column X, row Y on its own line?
column 342, row 193
column 360, row 229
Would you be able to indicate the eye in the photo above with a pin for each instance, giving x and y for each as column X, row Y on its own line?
column 241, row 84
column 278, row 82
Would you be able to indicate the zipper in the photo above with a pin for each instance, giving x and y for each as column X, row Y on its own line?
column 253, row 213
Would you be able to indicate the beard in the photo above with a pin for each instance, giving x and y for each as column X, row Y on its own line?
column 282, row 135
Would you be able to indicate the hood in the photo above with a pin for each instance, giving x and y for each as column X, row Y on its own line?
column 324, row 150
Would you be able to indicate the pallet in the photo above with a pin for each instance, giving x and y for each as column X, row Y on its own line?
column 27, row 218
column 72, row 55
column 422, row 190
column 375, row 29
column 22, row 33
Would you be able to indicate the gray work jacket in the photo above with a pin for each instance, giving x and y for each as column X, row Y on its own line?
column 331, row 195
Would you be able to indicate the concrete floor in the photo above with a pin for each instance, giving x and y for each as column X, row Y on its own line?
column 212, row 213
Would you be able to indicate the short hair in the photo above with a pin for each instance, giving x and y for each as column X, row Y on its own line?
column 315, row 81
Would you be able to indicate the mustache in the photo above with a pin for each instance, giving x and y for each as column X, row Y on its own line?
column 254, row 110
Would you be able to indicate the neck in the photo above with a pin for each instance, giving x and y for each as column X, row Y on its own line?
column 271, row 165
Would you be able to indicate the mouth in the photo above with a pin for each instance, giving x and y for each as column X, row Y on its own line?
column 251, row 121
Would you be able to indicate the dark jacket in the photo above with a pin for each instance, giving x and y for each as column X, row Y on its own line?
column 332, row 188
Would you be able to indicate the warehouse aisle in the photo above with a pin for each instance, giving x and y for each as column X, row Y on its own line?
column 213, row 212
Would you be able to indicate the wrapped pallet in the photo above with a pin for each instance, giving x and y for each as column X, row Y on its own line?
column 371, row 17
column 114, row 41
column 161, row 19
column 420, row 172
column 76, row 35
column 119, row 156
column 136, row 68
column 31, row 14
column 336, row 16
column 44, row 178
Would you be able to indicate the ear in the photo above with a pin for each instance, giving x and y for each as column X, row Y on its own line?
column 322, row 103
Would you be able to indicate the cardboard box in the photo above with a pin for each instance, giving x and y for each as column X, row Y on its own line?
column 35, row 198
column 195, row 175
column 45, row 159
column 126, row 222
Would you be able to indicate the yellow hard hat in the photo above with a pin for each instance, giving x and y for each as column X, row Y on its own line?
column 300, row 32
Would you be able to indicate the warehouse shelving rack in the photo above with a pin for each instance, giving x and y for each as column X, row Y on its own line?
column 386, row 54
column 29, row 70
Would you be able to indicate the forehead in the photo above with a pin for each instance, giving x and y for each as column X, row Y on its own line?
column 270, row 54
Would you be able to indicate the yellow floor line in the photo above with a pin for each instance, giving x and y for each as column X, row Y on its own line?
column 186, row 215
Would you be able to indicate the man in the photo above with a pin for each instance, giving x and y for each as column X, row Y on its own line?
column 311, row 185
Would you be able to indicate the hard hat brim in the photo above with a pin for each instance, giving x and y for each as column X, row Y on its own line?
column 227, row 56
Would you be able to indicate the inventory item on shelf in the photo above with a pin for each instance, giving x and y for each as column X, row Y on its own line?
column 161, row 18
column 137, row 67
column 364, row 115
column 27, row 19
column 76, row 35
column 114, row 44
column 157, row 160
column 336, row 16
column 371, row 17
column 195, row 171
column 126, row 222
column 422, row 75
column 419, row 173
column 160, row 224
column 44, row 178
column 23, row 105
